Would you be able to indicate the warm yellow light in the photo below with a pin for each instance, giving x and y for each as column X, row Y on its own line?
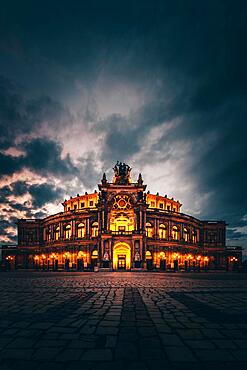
column 122, row 249
column 95, row 254
column 81, row 254
column 206, row 259
column 36, row 258
column 198, row 258
column 43, row 256
column 176, row 256
column 66, row 255
column 162, row 255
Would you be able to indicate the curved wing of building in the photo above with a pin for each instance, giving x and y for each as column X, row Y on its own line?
column 122, row 227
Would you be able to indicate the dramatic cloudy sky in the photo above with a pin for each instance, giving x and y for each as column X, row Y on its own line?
column 159, row 84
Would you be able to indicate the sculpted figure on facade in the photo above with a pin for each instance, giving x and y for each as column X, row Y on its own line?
column 121, row 173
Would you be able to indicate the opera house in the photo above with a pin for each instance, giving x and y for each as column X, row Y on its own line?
column 122, row 227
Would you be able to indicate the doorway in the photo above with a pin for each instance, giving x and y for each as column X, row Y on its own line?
column 121, row 256
column 121, row 262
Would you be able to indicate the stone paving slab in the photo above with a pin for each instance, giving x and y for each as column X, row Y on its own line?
column 123, row 321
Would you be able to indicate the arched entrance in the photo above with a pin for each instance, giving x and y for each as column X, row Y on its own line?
column 121, row 256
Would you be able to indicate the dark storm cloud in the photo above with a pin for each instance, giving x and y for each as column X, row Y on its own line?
column 236, row 235
column 41, row 194
column 4, row 225
column 5, row 191
column 44, row 193
column 23, row 116
column 9, row 164
column 42, row 155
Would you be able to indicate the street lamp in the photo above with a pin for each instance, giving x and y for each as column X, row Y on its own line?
column 36, row 261
column 176, row 257
column 198, row 258
column 43, row 256
column 66, row 256
column 9, row 259
column 53, row 257
column 162, row 256
column 80, row 260
column 234, row 261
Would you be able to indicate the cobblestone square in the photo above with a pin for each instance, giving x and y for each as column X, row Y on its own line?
column 123, row 320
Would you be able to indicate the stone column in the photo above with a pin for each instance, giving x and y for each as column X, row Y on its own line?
column 144, row 220
column 73, row 230
column 61, row 229
column 88, row 226
column 140, row 220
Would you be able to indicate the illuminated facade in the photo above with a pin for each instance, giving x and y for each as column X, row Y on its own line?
column 122, row 227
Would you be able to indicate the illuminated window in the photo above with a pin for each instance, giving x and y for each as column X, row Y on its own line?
column 91, row 203
column 68, row 232
column 49, row 233
column 161, row 205
column 163, row 231
column 82, row 204
column 57, row 233
column 149, row 230
column 175, row 233
column 186, row 235
column 95, row 229
column 152, row 204
column 81, row 231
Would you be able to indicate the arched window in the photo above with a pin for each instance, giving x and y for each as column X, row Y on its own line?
column 186, row 234
column 148, row 255
column 57, row 232
column 194, row 237
column 95, row 254
column 81, row 231
column 149, row 230
column 163, row 231
column 48, row 233
column 95, row 229
column 68, row 232
column 175, row 233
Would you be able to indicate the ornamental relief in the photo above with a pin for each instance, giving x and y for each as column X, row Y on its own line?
column 122, row 202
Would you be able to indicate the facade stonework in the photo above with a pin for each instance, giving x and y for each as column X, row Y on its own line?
column 123, row 227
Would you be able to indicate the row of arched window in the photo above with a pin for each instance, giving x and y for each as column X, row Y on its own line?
column 67, row 231
column 80, row 232
column 175, row 233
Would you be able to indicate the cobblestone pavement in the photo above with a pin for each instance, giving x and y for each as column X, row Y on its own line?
column 123, row 321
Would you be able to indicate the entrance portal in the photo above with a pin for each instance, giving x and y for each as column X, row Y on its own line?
column 121, row 264
column 121, row 256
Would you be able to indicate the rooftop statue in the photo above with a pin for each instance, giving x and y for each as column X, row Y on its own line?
column 121, row 173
